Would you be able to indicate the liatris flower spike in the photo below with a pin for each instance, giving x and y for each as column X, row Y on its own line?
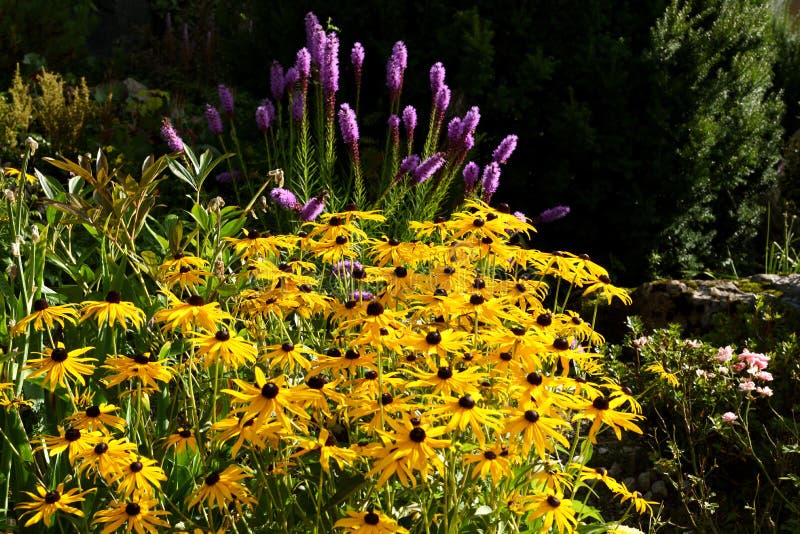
column 491, row 180
column 265, row 114
column 357, row 60
column 329, row 71
column 348, row 125
column 505, row 149
column 173, row 140
column 437, row 77
column 552, row 214
column 284, row 198
column 470, row 173
column 213, row 119
column 313, row 208
column 225, row 99
column 276, row 81
column 428, row 168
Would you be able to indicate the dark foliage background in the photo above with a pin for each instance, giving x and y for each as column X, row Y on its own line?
column 661, row 124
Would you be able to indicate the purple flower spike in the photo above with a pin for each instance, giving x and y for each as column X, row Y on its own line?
column 228, row 177
column 265, row 114
column 427, row 168
column 471, row 120
column 284, row 198
column 276, row 80
column 505, row 149
column 291, row 78
column 361, row 296
column 348, row 125
column 409, row 164
column 393, row 122
column 468, row 142
column 357, row 56
column 343, row 268
column 225, row 99
column 470, row 173
column 298, row 106
column 396, row 68
column 400, row 54
column 330, row 65
column 313, row 208
column 491, row 180
column 552, row 214
column 174, row 141
column 437, row 77
column 303, row 63
column 213, row 119
column 442, row 99
column 454, row 131
column 410, row 120
column 317, row 47
column 521, row 216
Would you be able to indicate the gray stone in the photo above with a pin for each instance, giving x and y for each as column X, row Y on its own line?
column 644, row 480
column 659, row 489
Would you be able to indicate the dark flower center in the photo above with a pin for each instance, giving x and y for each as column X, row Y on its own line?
column 371, row 518
column 544, row 319
column 222, row 335
column 439, row 292
column 93, row 411
column 371, row 375
column 604, row 278
column 185, row 433
column 287, row 347
column 479, row 283
column 626, row 390
column 531, row 416
column 333, row 352
column 101, row 448
column 466, row 402
column 316, row 382
column 184, row 269
column 600, row 403
column 350, row 304
column 519, row 287
column 341, row 240
column 72, row 434
column 196, row 300
column 411, row 358
column 601, row 471
column 553, row 501
column 178, row 255
column 40, row 305
column 534, row 379
column 489, row 455
column 252, row 234
column 487, row 241
column 415, row 421
column 305, row 288
column 331, row 441
column 476, row 300
column 212, row 479
column 351, row 354
column 358, row 274
column 386, row 398
column 136, row 467
column 439, row 219
column 433, row 338
column 141, row 359
column 114, row 297
column 132, row 509
column 561, row 343
column 577, row 320
column 449, row 270
column 468, row 356
column 59, row 354
column 334, row 221
column 444, row 373
column 51, row 497
column 417, row 434
column 477, row 223
column 383, row 332
column 374, row 308
column 518, row 331
column 400, row 272
column 394, row 242
column 285, row 267
column 505, row 356
column 270, row 390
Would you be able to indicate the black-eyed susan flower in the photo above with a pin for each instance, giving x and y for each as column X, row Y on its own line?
column 599, row 473
column 413, row 444
column 190, row 315
column 229, row 349
column 140, row 366
column 264, row 399
column 663, row 373
column 183, row 440
column 58, row 364
column 492, row 462
column 45, row 316
column 288, row 355
column 97, row 418
column 139, row 477
column 535, row 429
column 246, row 431
column 220, row 488
column 73, row 440
column 370, row 522
column 108, row 457
column 112, row 311
column 254, row 244
column 464, row 412
column 553, row 509
column 390, row 251
column 552, row 478
column 435, row 341
column 446, row 381
column 603, row 283
column 44, row 504
column 186, row 278
column 602, row 410
column 638, row 501
column 179, row 260
column 378, row 407
column 138, row 516
column 328, row 448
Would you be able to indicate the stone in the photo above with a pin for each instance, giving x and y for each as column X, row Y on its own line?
column 659, row 489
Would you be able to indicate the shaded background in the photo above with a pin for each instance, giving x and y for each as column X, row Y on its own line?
column 661, row 124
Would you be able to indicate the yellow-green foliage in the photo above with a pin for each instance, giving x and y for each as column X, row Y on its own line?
column 61, row 110
column 15, row 115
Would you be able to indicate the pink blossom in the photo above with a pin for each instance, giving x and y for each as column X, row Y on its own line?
column 729, row 417
column 765, row 391
column 766, row 376
column 754, row 359
column 739, row 366
column 747, row 385
column 693, row 343
column 722, row 370
column 641, row 342
column 724, row 354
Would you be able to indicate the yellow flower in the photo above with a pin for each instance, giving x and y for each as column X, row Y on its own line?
column 183, row 440
column 139, row 477
column 232, row 351
column 44, row 505
column 290, row 356
column 370, row 522
column 638, row 501
column 16, row 173
column 264, row 399
column 194, row 313
column 138, row 516
column 72, row 439
column 108, row 457
column 664, row 373
column 602, row 410
column 45, row 315
column 414, row 446
column 445, row 381
column 97, row 418
column 535, row 429
column 113, row 311
column 58, row 364
column 181, row 261
column 604, row 282
column 138, row 366
column 221, row 487
column 464, row 412
column 492, row 462
column 553, row 509
column 326, row 445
